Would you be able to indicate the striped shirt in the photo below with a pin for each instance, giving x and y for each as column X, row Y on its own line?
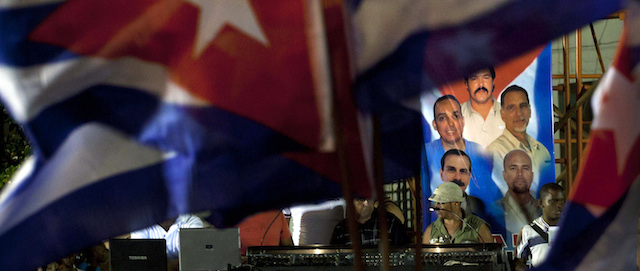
column 532, row 244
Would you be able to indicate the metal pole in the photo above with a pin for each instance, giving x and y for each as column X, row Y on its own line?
column 580, row 124
column 567, row 103
column 341, row 82
column 418, row 223
column 595, row 43
column 384, row 246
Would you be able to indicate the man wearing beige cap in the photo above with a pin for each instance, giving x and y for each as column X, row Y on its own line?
column 453, row 225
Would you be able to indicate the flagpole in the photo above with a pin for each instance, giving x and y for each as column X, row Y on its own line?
column 341, row 79
column 379, row 180
column 417, row 196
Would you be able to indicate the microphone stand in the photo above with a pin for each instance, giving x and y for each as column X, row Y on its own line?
column 464, row 223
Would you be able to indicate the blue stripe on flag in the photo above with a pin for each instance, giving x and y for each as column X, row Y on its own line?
column 542, row 88
column 231, row 187
column 94, row 207
column 425, row 176
column 15, row 25
column 168, row 127
column 401, row 137
column 543, row 93
column 397, row 77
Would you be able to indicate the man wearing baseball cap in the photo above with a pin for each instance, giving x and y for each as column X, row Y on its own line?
column 453, row 225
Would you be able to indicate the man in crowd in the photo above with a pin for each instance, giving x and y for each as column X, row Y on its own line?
column 449, row 122
column 516, row 112
column 369, row 226
column 454, row 225
column 481, row 112
column 534, row 240
column 517, row 208
column 456, row 168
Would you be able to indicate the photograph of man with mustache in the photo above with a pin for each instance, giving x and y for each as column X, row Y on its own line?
column 481, row 112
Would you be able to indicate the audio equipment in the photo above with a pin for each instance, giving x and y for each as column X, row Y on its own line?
column 489, row 256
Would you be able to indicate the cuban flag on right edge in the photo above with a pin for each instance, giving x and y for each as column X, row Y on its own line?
column 599, row 230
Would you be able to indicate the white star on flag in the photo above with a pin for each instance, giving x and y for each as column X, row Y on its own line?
column 615, row 105
column 215, row 14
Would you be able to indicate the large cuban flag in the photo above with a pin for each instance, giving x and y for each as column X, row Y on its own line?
column 142, row 110
column 599, row 230
column 139, row 110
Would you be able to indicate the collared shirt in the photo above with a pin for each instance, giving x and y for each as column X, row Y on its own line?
column 540, row 158
column 517, row 216
column 532, row 244
column 172, row 235
column 465, row 234
column 481, row 130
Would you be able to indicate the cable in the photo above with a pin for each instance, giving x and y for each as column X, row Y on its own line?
column 265, row 232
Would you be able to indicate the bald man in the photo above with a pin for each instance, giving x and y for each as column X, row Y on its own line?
column 517, row 208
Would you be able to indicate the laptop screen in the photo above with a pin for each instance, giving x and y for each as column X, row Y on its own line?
column 209, row 249
column 137, row 254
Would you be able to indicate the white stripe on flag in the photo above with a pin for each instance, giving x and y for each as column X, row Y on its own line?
column 91, row 153
column 28, row 91
column 382, row 24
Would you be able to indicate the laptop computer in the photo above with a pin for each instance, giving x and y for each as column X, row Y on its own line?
column 138, row 254
column 209, row 249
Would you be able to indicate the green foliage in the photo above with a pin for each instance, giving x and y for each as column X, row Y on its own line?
column 15, row 148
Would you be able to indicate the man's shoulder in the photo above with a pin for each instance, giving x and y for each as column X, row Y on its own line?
column 499, row 141
column 540, row 222
column 499, row 204
column 342, row 223
column 474, row 200
column 188, row 220
column 466, row 107
column 528, row 233
column 539, row 144
column 472, row 147
column 434, row 147
column 154, row 231
column 433, row 143
column 499, row 146
column 394, row 221
column 475, row 221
